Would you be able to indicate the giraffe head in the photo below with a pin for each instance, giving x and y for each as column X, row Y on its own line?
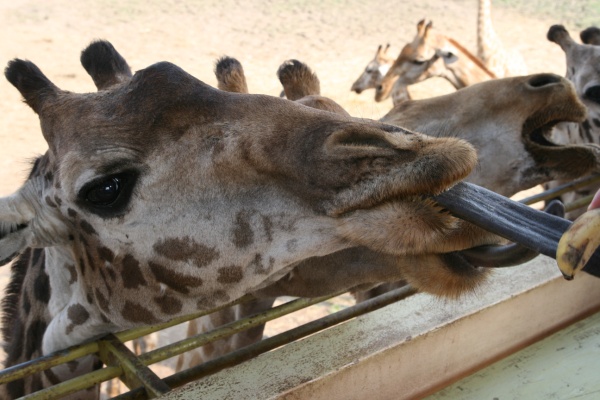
column 430, row 55
column 375, row 70
column 582, row 61
column 418, row 60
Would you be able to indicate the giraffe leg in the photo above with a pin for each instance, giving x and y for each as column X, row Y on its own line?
column 223, row 346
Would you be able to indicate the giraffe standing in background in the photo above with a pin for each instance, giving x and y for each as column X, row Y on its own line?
column 582, row 62
column 491, row 50
column 376, row 70
column 431, row 54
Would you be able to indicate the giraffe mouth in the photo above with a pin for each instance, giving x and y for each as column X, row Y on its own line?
column 540, row 135
column 10, row 228
column 532, row 232
column 7, row 229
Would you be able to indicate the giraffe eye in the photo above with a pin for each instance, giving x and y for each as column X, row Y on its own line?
column 106, row 192
column 108, row 196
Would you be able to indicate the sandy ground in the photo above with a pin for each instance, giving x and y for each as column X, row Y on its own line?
column 335, row 37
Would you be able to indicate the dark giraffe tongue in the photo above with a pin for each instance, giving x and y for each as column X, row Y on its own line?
column 531, row 230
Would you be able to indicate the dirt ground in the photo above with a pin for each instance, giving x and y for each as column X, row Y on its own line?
column 335, row 37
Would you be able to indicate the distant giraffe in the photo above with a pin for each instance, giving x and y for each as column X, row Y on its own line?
column 429, row 55
column 491, row 50
column 582, row 70
column 374, row 73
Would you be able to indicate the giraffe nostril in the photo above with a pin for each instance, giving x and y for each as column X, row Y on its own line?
column 542, row 80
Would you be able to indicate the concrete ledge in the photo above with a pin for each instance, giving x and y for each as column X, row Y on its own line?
column 414, row 347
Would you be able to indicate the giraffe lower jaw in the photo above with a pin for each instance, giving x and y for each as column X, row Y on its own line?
column 532, row 231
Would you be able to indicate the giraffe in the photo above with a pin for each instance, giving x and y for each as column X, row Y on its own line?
column 491, row 50
column 433, row 55
column 374, row 73
column 160, row 195
column 582, row 71
column 546, row 98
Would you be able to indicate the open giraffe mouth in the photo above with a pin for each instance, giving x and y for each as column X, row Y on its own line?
column 541, row 134
column 532, row 232
column 5, row 230
column 8, row 228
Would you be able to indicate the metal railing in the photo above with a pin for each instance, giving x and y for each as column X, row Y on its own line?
column 134, row 371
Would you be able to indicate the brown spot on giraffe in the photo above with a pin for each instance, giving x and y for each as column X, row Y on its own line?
column 50, row 202
column 111, row 274
column 101, row 300
column 87, row 227
column 231, row 274
column 78, row 315
column 42, row 287
column 106, row 254
column 268, row 227
column 186, row 249
column 243, row 236
column 174, row 280
column 131, row 273
column 168, row 304
column 210, row 300
column 137, row 313
column 72, row 273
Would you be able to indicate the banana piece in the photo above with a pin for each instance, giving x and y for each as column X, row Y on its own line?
column 578, row 243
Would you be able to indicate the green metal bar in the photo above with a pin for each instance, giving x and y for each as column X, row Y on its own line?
column 231, row 328
column 557, row 191
column 135, row 333
column 46, row 362
column 114, row 352
column 40, row 364
column 253, row 350
column 76, row 384
column 582, row 202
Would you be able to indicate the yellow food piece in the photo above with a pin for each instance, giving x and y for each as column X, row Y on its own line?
column 578, row 243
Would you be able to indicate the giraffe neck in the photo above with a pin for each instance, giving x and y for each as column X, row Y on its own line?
column 488, row 42
column 32, row 303
column 467, row 69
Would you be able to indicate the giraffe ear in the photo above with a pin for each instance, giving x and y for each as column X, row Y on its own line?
column 354, row 143
column 35, row 88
